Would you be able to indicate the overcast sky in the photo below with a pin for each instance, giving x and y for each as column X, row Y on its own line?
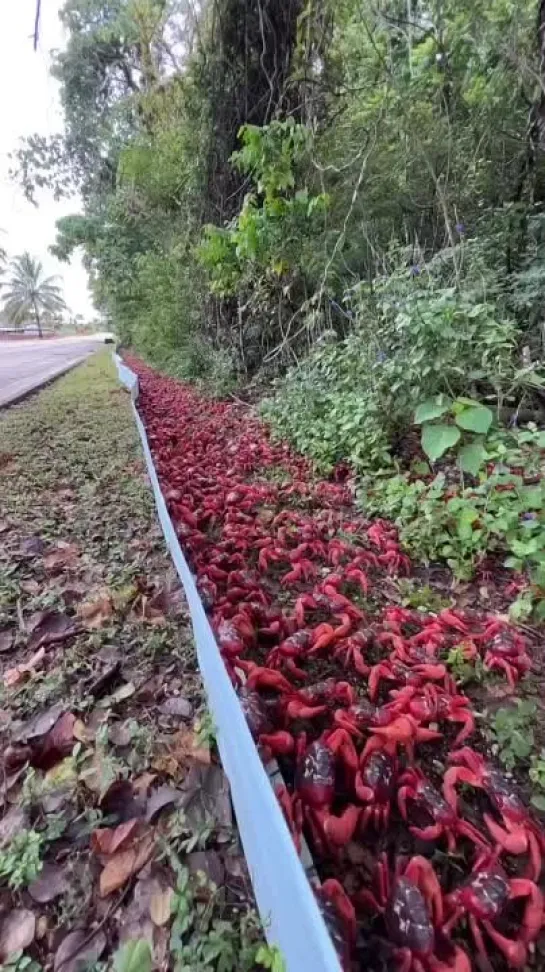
column 29, row 103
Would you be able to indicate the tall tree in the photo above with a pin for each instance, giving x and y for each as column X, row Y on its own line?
column 28, row 293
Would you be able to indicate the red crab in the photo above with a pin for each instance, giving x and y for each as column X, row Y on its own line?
column 314, row 791
column 507, row 652
column 374, row 786
column 339, row 916
column 412, row 905
column 519, row 834
column 395, row 671
column 350, row 652
column 415, row 787
column 292, row 648
column 430, row 703
column 484, row 898
column 259, row 724
column 404, row 731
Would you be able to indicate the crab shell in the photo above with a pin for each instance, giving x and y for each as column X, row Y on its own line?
column 254, row 713
column 315, row 778
column 408, row 920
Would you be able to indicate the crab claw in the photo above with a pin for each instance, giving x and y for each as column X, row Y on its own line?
column 403, row 731
column 280, row 743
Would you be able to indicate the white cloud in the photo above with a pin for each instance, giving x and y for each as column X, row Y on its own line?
column 30, row 103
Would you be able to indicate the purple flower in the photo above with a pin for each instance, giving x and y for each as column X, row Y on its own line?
column 381, row 356
column 460, row 229
column 415, row 270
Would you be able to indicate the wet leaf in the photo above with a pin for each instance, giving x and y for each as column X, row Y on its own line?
column 122, row 865
column 80, row 949
column 134, row 956
column 17, row 931
column 50, row 884
column 160, row 906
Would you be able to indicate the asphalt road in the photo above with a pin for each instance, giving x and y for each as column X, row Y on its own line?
column 27, row 364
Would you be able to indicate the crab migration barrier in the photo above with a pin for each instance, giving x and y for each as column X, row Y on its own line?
column 288, row 908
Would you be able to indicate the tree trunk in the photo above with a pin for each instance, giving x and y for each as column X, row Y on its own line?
column 38, row 322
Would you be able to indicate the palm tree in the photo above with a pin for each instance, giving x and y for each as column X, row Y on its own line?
column 27, row 292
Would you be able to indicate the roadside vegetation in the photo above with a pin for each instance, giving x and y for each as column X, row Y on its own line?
column 347, row 199
column 118, row 846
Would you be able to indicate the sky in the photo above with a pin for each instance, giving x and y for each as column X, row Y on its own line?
column 30, row 103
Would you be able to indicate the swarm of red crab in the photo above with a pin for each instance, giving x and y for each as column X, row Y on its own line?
column 353, row 696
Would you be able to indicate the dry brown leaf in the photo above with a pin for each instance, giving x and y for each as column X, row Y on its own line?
column 122, row 865
column 12, row 676
column 40, row 724
column 17, row 932
column 57, row 743
column 97, row 611
column 64, row 557
column 108, row 840
column 160, row 906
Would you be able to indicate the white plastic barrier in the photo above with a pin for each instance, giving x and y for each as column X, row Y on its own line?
column 286, row 903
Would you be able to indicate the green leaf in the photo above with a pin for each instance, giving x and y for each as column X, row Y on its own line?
column 436, row 439
column 431, row 409
column 134, row 956
column 477, row 419
column 471, row 457
column 538, row 802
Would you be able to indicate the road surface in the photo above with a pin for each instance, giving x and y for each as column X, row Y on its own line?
column 27, row 364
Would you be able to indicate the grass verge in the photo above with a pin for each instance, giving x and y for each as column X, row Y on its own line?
column 117, row 841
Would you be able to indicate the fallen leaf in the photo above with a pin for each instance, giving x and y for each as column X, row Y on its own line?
column 80, row 949
column 122, row 865
column 17, row 932
column 51, row 628
column 176, row 706
column 12, row 676
column 40, row 724
column 50, row 884
column 98, row 611
column 65, row 556
column 57, row 743
column 108, row 840
column 123, row 692
column 164, row 796
column 160, row 906
column 6, row 640
column 15, row 820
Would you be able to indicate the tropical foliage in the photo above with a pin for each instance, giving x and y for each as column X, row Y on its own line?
column 28, row 294
column 346, row 198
